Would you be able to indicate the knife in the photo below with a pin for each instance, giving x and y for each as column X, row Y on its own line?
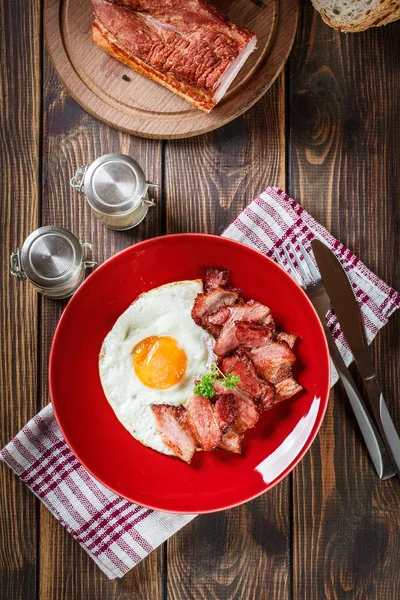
column 377, row 450
column 349, row 315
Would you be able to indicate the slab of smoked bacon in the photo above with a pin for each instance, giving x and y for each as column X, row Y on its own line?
column 186, row 45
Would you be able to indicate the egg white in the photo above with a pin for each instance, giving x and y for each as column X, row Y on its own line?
column 163, row 311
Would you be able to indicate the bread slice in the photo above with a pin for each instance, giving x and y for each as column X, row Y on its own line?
column 357, row 15
column 394, row 16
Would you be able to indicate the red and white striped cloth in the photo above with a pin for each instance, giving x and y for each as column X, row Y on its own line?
column 116, row 533
column 274, row 218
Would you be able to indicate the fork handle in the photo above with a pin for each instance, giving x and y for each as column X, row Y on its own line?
column 377, row 450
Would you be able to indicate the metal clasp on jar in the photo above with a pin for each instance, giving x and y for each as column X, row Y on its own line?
column 88, row 264
column 16, row 265
column 78, row 180
column 150, row 201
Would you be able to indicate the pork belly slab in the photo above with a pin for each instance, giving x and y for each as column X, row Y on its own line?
column 186, row 45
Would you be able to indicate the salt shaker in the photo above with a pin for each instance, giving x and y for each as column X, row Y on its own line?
column 116, row 189
column 53, row 261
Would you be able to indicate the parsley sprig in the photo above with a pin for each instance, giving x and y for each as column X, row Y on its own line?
column 205, row 387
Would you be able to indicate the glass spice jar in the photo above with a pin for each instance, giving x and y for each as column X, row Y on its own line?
column 116, row 190
column 53, row 261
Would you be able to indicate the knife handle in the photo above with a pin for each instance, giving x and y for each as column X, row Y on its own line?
column 377, row 450
column 384, row 421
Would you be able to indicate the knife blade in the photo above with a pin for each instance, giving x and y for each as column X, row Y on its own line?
column 349, row 315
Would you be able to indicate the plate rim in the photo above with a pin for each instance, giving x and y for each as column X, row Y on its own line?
column 321, row 410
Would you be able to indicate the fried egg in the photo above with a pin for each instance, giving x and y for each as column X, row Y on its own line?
column 153, row 355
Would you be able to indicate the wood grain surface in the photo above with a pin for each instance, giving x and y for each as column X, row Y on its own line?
column 328, row 132
column 344, row 126
column 20, row 142
column 142, row 107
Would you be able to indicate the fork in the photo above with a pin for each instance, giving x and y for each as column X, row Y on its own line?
column 309, row 279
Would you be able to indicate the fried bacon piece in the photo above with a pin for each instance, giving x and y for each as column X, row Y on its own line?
column 220, row 316
column 289, row 338
column 202, row 422
column 253, row 335
column 225, row 411
column 273, row 361
column 173, row 431
column 208, row 303
column 253, row 312
column 250, row 384
column 228, row 363
column 247, row 413
column 286, row 389
column 231, row 441
column 215, row 278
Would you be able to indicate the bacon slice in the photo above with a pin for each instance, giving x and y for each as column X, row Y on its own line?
column 203, row 424
column 231, row 441
column 268, row 398
column 186, row 45
column 253, row 335
column 220, row 316
column 247, row 413
column 273, row 361
column 172, row 430
column 253, row 312
column 228, row 363
column 289, row 338
column 225, row 411
column 208, row 303
column 286, row 389
column 215, row 278
column 250, row 384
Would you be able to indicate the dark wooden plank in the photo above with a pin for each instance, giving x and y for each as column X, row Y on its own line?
column 244, row 552
column 344, row 107
column 73, row 138
column 19, row 152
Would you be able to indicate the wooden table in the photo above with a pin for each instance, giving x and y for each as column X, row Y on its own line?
column 329, row 133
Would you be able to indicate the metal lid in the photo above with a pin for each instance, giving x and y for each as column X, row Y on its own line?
column 51, row 256
column 114, row 184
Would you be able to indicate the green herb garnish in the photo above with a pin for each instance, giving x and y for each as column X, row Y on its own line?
column 230, row 381
column 205, row 387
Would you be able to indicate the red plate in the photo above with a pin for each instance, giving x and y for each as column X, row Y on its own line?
column 215, row 480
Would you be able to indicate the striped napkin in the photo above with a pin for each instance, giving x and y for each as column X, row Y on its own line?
column 274, row 218
column 116, row 533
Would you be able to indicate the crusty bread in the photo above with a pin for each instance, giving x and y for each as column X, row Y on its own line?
column 357, row 15
column 392, row 17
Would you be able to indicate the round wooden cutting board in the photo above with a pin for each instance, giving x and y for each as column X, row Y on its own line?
column 142, row 107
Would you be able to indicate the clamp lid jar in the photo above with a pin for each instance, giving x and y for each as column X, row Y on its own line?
column 116, row 189
column 52, row 260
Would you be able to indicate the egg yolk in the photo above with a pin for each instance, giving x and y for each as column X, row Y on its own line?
column 159, row 362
